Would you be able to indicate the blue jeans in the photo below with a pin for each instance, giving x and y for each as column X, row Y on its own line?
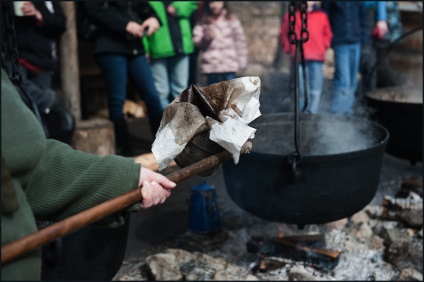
column 116, row 69
column 314, row 78
column 170, row 76
column 218, row 77
column 346, row 60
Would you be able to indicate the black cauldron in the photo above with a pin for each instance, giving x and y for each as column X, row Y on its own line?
column 400, row 110
column 338, row 174
column 90, row 254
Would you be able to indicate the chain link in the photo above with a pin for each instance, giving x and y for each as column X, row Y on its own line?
column 304, row 33
column 9, row 45
column 10, row 57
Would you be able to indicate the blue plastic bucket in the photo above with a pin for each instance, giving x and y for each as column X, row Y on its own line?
column 204, row 212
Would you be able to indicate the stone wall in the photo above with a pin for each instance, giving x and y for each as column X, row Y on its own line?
column 261, row 21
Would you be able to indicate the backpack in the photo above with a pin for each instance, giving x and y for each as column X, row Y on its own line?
column 86, row 29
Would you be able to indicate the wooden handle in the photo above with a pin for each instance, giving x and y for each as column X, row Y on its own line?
column 48, row 234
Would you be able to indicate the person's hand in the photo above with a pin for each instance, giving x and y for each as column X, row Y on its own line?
column 382, row 27
column 155, row 188
column 152, row 24
column 134, row 29
column 28, row 9
column 171, row 10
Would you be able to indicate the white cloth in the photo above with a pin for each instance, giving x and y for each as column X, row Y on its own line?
column 235, row 103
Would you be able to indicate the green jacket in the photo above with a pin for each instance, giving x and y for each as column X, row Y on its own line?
column 159, row 45
column 48, row 180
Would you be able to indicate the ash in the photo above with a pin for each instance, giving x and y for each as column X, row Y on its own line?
column 361, row 239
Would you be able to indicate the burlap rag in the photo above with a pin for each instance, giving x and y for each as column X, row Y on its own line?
column 225, row 109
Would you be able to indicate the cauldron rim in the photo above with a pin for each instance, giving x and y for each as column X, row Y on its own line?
column 328, row 157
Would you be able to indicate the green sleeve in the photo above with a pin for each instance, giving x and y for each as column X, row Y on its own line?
column 184, row 9
column 67, row 181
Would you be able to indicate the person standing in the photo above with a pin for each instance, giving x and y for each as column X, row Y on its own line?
column 39, row 25
column 319, row 41
column 119, row 52
column 349, row 24
column 220, row 37
column 169, row 48
column 377, row 32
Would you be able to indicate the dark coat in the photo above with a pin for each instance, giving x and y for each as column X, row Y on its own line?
column 348, row 20
column 37, row 44
column 112, row 18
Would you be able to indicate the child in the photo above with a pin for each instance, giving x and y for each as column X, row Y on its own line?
column 220, row 37
column 314, row 51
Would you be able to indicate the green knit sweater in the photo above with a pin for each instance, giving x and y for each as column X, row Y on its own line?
column 50, row 180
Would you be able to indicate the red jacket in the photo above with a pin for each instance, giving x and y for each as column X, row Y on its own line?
column 319, row 35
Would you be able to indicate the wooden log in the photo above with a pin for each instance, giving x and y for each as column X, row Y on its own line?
column 95, row 136
column 297, row 245
column 69, row 60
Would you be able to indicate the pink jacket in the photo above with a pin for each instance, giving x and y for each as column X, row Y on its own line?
column 227, row 51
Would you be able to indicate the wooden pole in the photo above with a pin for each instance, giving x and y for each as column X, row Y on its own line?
column 69, row 60
column 48, row 234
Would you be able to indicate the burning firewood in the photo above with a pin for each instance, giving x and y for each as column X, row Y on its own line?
column 292, row 248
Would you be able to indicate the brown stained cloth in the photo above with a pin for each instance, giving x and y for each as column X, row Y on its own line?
column 186, row 116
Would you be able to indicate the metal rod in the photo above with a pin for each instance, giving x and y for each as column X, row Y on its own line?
column 13, row 250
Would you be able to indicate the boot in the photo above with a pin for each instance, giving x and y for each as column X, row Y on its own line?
column 123, row 139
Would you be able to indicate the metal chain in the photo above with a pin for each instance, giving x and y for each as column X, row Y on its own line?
column 295, row 158
column 9, row 45
column 10, row 57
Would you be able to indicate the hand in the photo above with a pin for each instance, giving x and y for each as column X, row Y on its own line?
column 134, row 29
column 382, row 27
column 152, row 24
column 28, row 9
column 155, row 188
column 171, row 10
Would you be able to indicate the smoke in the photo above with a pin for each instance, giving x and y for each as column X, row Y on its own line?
column 318, row 134
column 334, row 135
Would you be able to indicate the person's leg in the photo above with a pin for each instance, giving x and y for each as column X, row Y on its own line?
column 159, row 68
column 178, row 72
column 228, row 76
column 192, row 79
column 141, row 74
column 302, row 99
column 114, row 69
column 213, row 78
column 341, row 100
column 354, row 61
column 316, row 80
column 368, row 55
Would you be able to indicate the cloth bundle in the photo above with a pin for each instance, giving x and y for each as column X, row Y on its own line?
column 223, row 110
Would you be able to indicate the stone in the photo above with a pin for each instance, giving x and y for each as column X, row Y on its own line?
column 164, row 267
column 360, row 217
column 181, row 256
column 95, row 136
column 339, row 224
column 362, row 231
column 397, row 251
column 410, row 274
column 298, row 273
column 411, row 218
